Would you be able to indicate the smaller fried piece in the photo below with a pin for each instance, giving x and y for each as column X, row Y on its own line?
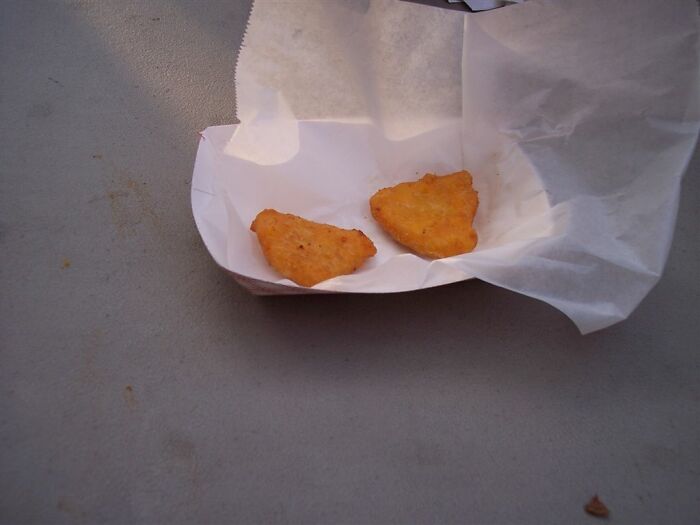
column 597, row 508
column 432, row 216
column 309, row 252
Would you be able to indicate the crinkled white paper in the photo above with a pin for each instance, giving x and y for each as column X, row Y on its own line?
column 576, row 120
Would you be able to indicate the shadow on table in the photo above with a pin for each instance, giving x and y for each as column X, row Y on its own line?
column 463, row 333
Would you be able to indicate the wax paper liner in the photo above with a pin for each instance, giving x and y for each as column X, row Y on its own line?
column 576, row 119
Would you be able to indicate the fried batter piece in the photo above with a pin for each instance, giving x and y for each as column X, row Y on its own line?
column 597, row 508
column 309, row 252
column 432, row 216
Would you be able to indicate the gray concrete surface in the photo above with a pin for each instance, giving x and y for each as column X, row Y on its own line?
column 138, row 384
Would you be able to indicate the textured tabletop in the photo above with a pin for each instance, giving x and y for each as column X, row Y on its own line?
column 139, row 384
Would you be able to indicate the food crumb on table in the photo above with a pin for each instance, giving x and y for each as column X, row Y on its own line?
column 597, row 508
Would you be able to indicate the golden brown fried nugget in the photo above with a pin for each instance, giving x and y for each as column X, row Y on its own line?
column 432, row 216
column 308, row 252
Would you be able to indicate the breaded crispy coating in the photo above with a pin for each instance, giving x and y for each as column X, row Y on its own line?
column 432, row 216
column 309, row 252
